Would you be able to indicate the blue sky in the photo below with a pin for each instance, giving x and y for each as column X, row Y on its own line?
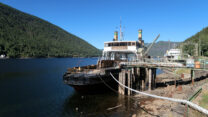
column 96, row 20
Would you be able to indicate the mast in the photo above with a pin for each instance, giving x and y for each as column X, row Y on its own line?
column 121, row 33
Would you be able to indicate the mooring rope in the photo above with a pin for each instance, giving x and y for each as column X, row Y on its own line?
column 195, row 106
column 128, row 96
column 114, row 89
column 131, row 97
column 107, row 85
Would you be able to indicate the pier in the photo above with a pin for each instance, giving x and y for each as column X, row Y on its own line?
column 140, row 78
column 141, row 75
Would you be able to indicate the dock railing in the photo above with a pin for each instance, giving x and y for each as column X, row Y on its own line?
column 153, row 62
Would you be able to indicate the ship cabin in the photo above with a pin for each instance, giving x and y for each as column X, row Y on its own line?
column 121, row 50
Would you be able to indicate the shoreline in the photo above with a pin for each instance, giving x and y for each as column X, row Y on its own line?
column 44, row 57
column 165, row 108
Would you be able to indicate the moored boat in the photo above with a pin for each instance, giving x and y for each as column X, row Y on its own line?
column 96, row 78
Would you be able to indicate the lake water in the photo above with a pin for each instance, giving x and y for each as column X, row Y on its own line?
column 34, row 88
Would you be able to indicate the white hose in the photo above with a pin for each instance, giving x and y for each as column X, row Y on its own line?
column 195, row 106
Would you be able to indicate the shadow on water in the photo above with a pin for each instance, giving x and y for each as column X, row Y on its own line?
column 102, row 105
column 89, row 105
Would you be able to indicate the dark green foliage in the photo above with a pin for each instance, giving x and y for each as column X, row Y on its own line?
column 203, row 37
column 189, row 49
column 24, row 35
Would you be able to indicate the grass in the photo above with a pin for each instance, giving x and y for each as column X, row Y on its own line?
column 204, row 100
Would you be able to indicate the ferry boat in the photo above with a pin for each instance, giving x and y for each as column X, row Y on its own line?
column 173, row 54
column 93, row 78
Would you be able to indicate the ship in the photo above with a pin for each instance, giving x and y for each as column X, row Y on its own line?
column 96, row 78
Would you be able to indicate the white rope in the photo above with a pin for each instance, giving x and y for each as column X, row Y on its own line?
column 165, row 98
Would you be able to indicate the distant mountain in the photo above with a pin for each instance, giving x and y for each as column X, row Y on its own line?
column 160, row 48
column 200, row 38
column 24, row 35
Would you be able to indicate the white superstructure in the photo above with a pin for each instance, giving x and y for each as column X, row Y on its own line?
column 174, row 54
column 122, row 50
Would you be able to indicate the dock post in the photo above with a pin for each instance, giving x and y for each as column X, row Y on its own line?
column 150, row 79
column 153, row 78
column 143, row 87
column 192, row 76
column 143, row 77
column 129, row 82
column 155, row 75
column 138, row 80
column 120, row 80
column 146, row 78
column 133, row 81
column 123, row 81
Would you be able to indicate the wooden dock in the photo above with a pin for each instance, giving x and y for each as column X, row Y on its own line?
column 141, row 75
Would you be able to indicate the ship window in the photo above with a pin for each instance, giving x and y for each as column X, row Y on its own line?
column 116, row 44
column 123, row 44
column 129, row 43
column 133, row 43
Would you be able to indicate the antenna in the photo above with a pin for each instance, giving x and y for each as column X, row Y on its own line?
column 121, row 33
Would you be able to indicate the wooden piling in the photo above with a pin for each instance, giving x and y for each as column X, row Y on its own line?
column 128, row 82
column 139, row 78
column 153, row 78
column 123, row 81
column 143, row 77
column 120, row 80
column 133, row 72
column 192, row 76
column 146, row 74
column 150, row 79
column 155, row 75
column 138, row 81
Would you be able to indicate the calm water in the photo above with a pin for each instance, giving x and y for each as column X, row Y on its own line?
column 34, row 88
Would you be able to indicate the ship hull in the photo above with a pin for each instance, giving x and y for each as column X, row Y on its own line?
column 93, row 83
column 94, row 88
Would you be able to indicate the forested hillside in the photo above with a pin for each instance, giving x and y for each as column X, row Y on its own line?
column 160, row 48
column 24, row 35
column 200, row 38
